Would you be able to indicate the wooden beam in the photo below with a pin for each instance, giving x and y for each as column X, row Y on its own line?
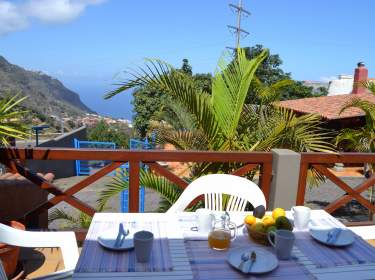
column 128, row 155
column 322, row 169
column 265, row 180
column 338, row 157
column 75, row 188
column 51, row 188
column 244, row 169
column 167, row 174
column 300, row 200
column 346, row 198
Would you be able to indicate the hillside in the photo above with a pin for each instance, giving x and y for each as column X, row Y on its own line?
column 47, row 95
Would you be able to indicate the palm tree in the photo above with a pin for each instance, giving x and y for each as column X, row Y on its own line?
column 11, row 125
column 361, row 139
column 222, row 121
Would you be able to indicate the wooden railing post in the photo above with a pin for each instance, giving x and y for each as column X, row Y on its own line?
column 133, row 186
column 265, row 180
column 302, row 182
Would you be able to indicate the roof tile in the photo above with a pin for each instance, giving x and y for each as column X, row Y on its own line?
column 327, row 106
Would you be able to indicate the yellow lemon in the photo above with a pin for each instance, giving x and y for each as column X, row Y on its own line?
column 268, row 220
column 278, row 212
column 250, row 220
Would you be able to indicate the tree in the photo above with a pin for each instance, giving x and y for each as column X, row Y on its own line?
column 186, row 68
column 102, row 132
column 222, row 121
column 203, row 82
column 146, row 103
column 269, row 72
column 11, row 123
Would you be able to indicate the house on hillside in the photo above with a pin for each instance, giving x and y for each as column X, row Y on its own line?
column 328, row 107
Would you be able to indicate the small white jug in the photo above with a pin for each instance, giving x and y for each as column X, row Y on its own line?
column 205, row 220
column 301, row 215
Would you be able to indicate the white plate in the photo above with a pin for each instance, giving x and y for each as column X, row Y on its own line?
column 265, row 261
column 108, row 240
column 345, row 238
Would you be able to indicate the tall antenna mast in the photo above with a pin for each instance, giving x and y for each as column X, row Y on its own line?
column 237, row 30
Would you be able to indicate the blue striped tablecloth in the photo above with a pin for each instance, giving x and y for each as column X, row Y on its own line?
column 210, row 264
column 94, row 258
column 323, row 256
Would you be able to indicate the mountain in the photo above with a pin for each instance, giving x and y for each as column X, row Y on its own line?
column 47, row 95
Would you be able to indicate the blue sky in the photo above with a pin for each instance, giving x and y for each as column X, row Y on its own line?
column 87, row 43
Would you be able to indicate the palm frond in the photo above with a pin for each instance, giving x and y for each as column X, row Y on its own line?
column 182, row 139
column 171, row 192
column 229, row 89
column 11, row 124
column 271, row 93
column 165, row 188
column 370, row 85
column 176, row 116
column 366, row 106
column 119, row 183
column 58, row 214
column 283, row 129
column 163, row 77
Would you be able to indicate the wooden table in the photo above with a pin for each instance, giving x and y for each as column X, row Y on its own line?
column 181, row 266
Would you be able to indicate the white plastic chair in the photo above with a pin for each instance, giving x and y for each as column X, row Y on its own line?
column 213, row 186
column 66, row 241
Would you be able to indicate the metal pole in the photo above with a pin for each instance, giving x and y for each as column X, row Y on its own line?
column 36, row 137
column 239, row 12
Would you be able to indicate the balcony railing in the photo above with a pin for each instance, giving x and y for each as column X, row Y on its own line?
column 248, row 161
column 14, row 158
column 321, row 162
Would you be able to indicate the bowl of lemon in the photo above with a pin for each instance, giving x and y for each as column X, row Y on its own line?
column 259, row 224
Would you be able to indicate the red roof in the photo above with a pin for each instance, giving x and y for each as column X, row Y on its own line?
column 328, row 107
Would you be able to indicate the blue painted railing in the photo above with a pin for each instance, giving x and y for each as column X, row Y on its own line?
column 135, row 144
column 86, row 167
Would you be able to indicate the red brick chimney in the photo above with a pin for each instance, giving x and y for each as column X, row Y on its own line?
column 360, row 76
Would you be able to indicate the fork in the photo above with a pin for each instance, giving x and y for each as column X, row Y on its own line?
column 244, row 259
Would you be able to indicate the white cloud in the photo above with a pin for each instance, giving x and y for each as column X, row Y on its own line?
column 14, row 17
column 11, row 18
column 57, row 11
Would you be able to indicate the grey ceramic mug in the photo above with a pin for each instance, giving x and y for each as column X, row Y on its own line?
column 143, row 241
column 283, row 241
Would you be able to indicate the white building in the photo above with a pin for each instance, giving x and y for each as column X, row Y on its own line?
column 340, row 86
